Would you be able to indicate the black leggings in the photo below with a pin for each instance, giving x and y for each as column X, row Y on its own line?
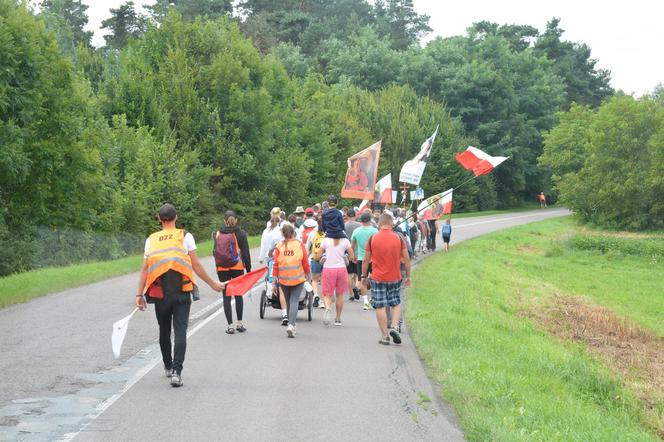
column 224, row 276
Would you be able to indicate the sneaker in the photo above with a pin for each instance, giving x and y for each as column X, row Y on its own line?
column 241, row 328
column 367, row 306
column 176, row 380
column 284, row 321
column 396, row 338
column 384, row 341
column 290, row 331
column 230, row 329
column 327, row 316
column 316, row 301
column 337, row 322
column 321, row 305
column 168, row 372
column 351, row 298
column 356, row 293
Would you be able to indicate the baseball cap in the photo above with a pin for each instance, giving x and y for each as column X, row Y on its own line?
column 167, row 212
column 332, row 199
column 299, row 209
column 351, row 212
column 309, row 211
column 229, row 213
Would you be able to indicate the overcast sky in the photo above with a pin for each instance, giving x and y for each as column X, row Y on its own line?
column 627, row 39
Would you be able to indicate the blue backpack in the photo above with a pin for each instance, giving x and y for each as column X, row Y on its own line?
column 447, row 229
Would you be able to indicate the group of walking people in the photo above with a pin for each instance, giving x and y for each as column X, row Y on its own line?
column 337, row 252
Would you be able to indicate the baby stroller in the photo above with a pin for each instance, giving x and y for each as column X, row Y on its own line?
column 269, row 297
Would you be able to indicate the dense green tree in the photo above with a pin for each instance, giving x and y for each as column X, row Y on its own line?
column 366, row 61
column 49, row 176
column 607, row 163
column 400, row 23
column 124, row 24
column 506, row 98
column 67, row 19
column 190, row 9
column 584, row 84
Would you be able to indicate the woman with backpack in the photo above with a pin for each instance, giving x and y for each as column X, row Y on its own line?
column 232, row 258
column 447, row 233
column 314, row 241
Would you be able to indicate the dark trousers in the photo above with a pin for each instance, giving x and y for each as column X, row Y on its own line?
column 227, row 275
column 173, row 310
column 432, row 235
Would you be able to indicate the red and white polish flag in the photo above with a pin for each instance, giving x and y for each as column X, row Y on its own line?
column 478, row 161
column 383, row 193
column 436, row 206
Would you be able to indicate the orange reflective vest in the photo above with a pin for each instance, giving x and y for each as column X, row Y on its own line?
column 166, row 253
column 289, row 263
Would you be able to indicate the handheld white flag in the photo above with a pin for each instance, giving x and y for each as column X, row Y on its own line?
column 412, row 170
column 119, row 332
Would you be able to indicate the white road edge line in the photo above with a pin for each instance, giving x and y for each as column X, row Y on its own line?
column 103, row 406
column 496, row 220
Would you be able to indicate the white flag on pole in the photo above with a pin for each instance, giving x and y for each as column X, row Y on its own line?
column 119, row 332
column 412, row 170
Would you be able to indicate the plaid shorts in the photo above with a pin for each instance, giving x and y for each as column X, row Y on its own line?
column 385, row 294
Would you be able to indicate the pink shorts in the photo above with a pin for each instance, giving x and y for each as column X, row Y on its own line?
column 335, row 280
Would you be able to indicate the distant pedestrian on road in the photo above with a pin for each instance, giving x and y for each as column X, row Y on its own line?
column 447, row 233
column 167, row 281
column 232, row 258
column 291, row 270
column 385, row 251
column 433, row 230
column 335, row 275
column 358, row 241
column 542, row 200
column 350, row 225
column 313, row 246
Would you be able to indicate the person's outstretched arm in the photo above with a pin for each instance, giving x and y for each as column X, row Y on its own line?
column 200, row 271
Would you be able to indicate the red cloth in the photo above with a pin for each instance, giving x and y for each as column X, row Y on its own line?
column 242, row 284
column 385, row 248
column 471, row 162
column 305, row 261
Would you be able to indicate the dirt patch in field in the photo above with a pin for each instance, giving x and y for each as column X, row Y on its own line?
column 529, row 250
column 636, row 354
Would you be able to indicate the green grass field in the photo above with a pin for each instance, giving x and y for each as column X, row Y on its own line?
column 481, row 318
column 24, row 286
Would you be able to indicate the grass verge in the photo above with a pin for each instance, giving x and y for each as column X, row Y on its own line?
column 22, row 287
column 489, row 322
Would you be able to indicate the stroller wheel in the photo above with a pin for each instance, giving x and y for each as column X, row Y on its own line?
column 263, row 303
column 310, row 305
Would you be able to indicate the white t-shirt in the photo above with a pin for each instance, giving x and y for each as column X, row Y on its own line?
column 188, row 243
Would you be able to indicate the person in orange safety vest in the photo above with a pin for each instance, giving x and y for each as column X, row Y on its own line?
column 291, row 270
column 167, row 281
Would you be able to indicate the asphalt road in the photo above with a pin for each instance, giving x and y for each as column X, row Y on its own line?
column 59, row 379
